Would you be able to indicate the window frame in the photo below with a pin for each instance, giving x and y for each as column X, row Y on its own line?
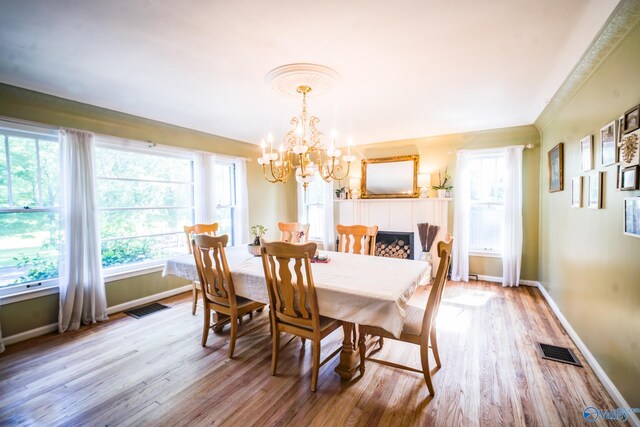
column 233, row 192
column 116, row 272
column 37, row 135
column 486, row 252
column 306, row 205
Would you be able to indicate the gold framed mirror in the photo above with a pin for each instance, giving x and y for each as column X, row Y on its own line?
column 390, row 177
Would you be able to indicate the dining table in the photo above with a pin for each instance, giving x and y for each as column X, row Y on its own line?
column 355, row 289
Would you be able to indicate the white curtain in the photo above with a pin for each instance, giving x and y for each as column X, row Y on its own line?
column 241, row 212
column 329, row 238
column 205, row 189
column 512, row 236
column 1, row 343
column 82, row 291
column 461, row 213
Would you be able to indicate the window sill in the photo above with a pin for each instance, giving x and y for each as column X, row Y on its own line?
column 110, row 275
column 485, row 254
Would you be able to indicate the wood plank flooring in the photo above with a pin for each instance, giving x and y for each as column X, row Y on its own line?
column 153, row 371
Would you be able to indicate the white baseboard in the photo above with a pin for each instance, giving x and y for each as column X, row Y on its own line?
column 22, row 336
column 53, row 327
column 148, row 299
column 591, row 360
column 498, row 279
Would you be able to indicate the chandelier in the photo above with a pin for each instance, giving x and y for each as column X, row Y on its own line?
column 303, row 152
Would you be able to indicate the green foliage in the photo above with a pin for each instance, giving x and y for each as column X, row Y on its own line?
column 258, row 231
column 126, row 252
column 40, row 268
column 444, row 180
column 339, row 191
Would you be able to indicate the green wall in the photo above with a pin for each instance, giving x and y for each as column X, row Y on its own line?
column 268, row 203
column 438, row 152
column 592, row 270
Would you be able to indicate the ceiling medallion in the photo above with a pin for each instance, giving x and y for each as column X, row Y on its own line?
column 304, row 142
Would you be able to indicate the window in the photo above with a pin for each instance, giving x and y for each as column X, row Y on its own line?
column 145, row 198
column 29, row 227
column 487, row 203
column 313, row 207
column 224, row 173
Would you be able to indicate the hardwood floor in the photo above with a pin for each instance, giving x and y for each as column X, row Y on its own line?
column 153, row 371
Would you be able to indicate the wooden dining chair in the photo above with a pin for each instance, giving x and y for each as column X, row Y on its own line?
column 293, row 232
column 357, row 239
column 218, row 293
column 419, row 326
column 190, row 231
column 293, row 302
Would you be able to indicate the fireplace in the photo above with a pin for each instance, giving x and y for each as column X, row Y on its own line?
column 395, row 244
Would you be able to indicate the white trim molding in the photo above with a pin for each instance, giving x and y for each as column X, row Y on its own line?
column 148, row 299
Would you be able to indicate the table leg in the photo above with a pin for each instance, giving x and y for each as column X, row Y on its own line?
column 219, row 320
column 349, row 356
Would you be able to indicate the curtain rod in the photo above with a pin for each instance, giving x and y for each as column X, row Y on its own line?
column 150, row 144
column 528, row 147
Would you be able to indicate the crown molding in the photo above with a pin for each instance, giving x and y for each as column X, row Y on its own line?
column 623, row 20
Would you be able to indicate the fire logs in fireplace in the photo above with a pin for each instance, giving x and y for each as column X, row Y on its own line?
column 395, row 249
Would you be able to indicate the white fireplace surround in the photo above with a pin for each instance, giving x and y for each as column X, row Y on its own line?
column 398, row 215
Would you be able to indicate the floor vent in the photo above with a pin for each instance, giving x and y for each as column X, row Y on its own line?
column 145, row 310
column 558, row 354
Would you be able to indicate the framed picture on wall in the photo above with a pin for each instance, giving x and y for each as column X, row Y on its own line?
column 555, row 168
column 576, row 192
column 630, row 149
column 609, row 144
column 632, row 216
column 629, row 178
column 594, row 198
column 618, row 178
column 631, row 120
column 586, row 153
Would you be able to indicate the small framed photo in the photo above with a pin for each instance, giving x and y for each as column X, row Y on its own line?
column 632, row 216
column 609, row 144
column 555, row 168
column 576, row 192
column 631, row 120
column 594, row 200
column 629, row 178
column 586, row 153
column 630, row 149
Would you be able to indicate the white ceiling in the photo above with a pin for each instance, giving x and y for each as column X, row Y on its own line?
column 409, row 68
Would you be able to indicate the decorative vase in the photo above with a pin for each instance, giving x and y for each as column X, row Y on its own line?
column 428, row 258
column 254, row 249
column 442, row 194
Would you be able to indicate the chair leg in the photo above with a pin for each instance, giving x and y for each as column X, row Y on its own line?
column 233, row 334
column 380, row 342
column 274, row 350
column 315, row 368
column 206, row 326
column 195, row 298
column 303, row 341
column 424, row 360
column 362, row 347
column 434, row 346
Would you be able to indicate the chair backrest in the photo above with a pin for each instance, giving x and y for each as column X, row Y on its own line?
column 189, row 230
column 435, row 296
column 213, row 270
column 292, row 294
column 357, row 239
column 293, row 232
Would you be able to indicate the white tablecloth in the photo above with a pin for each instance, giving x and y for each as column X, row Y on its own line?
column 354, row 288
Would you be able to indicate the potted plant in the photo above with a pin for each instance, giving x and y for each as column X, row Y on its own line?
column 340, row 193
column 444, row 183
column 257, row 231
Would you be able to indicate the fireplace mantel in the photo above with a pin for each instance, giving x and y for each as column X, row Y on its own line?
column 398, row 215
